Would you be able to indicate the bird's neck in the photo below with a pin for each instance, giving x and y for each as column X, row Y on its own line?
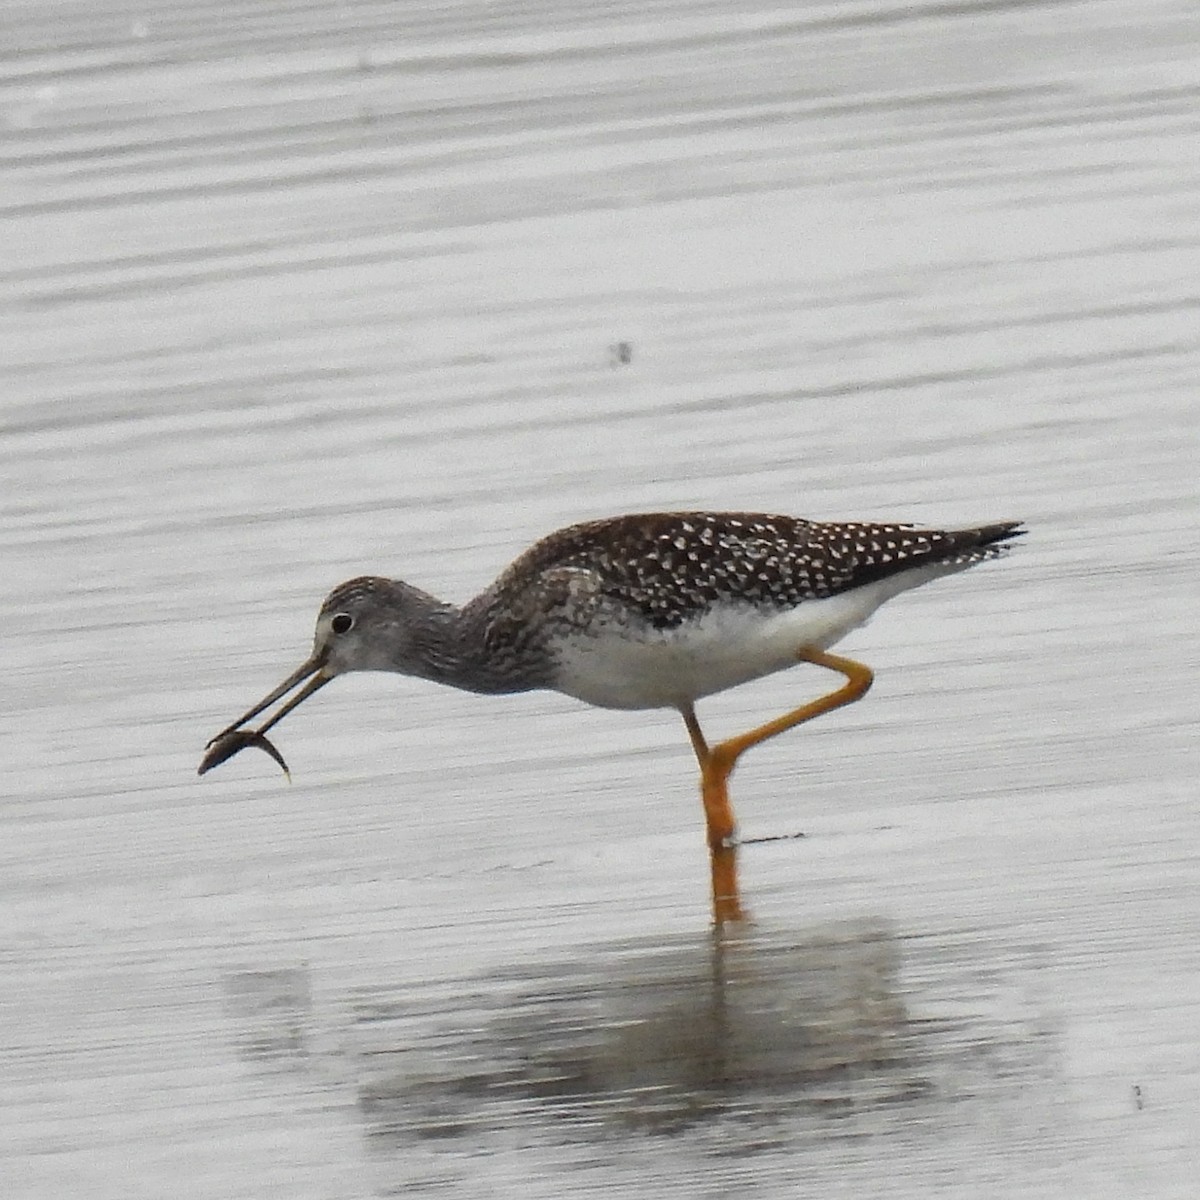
column 450, row 645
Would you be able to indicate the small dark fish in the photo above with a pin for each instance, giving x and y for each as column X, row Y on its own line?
column 226, row 745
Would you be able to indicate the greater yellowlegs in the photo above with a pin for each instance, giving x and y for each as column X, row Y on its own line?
column 653, row 610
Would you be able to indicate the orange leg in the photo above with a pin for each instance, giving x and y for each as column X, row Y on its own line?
column 726, row 901
column 717, row 763
column 722, row 850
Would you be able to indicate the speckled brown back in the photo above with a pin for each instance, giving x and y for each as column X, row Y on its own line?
column 673, row 566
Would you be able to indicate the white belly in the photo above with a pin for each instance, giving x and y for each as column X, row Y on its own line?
column 621, row 667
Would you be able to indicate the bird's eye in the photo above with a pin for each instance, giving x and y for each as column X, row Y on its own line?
column 342, row 623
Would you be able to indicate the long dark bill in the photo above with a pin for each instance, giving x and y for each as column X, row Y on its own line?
column 314, row 667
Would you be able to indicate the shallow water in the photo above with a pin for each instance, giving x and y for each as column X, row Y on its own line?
column 293, row 293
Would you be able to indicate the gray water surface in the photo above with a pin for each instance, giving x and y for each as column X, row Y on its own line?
column 290, row 293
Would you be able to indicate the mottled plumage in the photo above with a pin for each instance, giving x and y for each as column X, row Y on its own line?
column 659, row 609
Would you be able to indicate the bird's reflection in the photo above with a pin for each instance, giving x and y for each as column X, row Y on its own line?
column 647, row 1036
column 799, row 1034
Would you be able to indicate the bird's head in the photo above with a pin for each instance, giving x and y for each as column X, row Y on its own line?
column 365, row 624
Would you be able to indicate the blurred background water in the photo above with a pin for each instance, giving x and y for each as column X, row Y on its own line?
column 292, row 292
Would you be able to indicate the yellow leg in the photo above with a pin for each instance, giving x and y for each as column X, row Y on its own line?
column 718, row 816
column 723, row 757
column 722, row 852
column 726, row 900
column 717, row 763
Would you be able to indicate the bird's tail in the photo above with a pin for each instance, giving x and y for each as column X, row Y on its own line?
column 966, row 547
